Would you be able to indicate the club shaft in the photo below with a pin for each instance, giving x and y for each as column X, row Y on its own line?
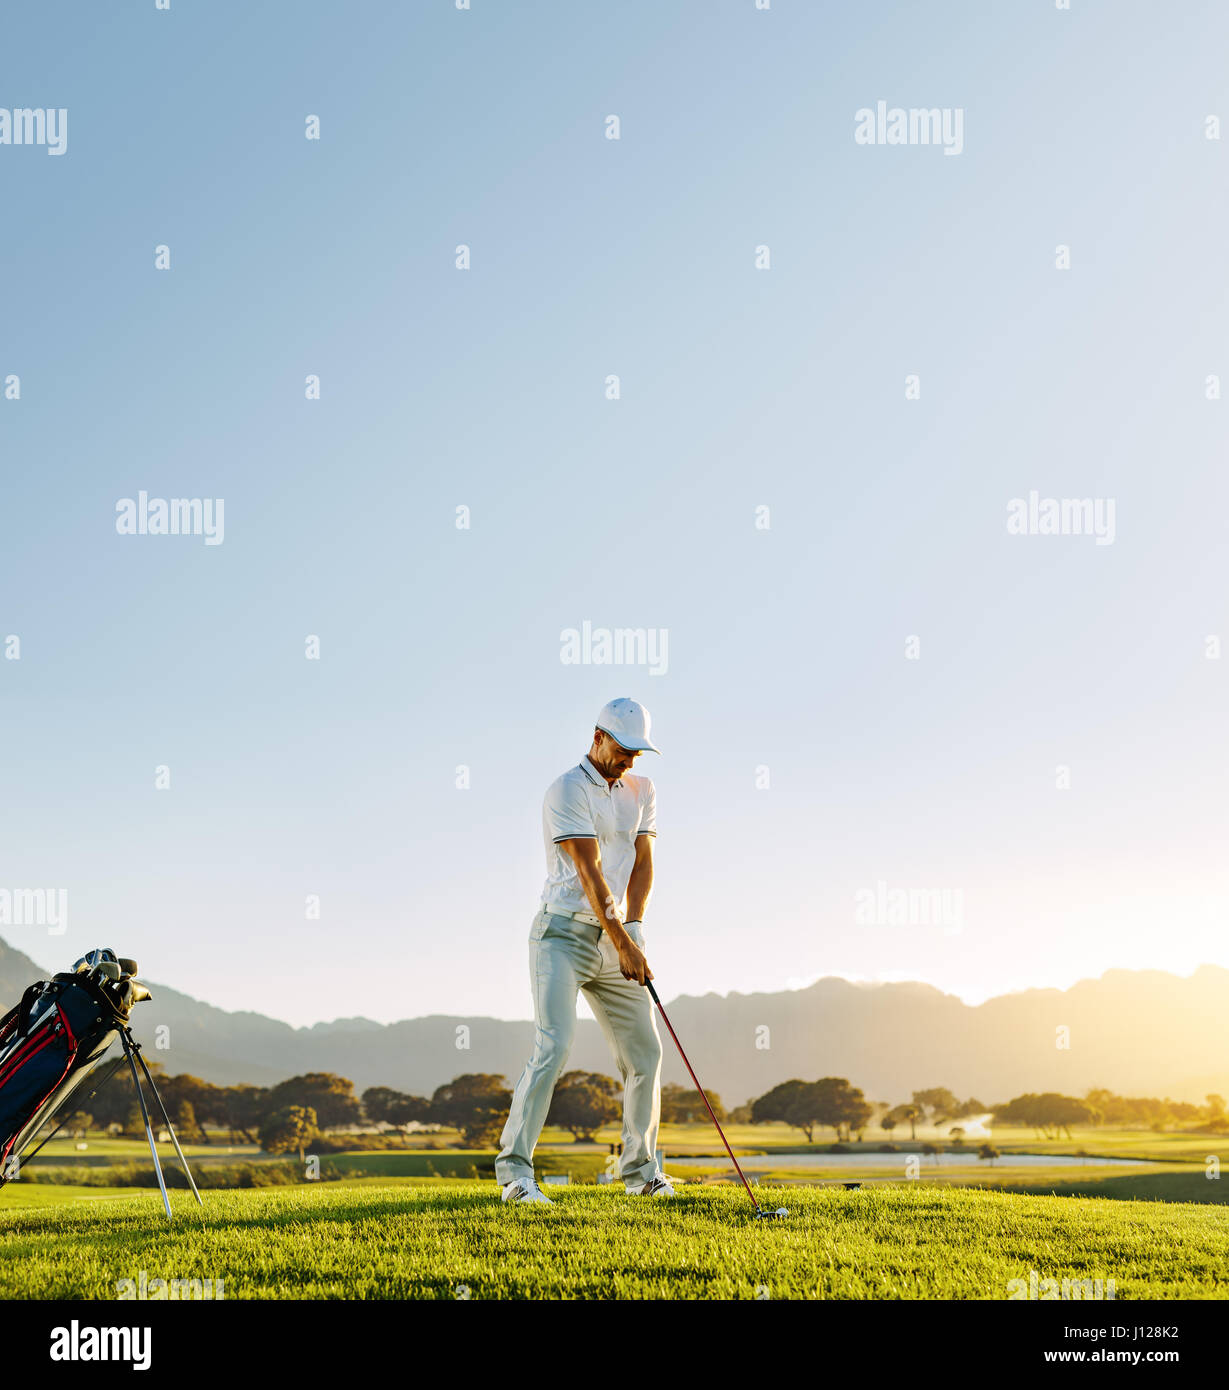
column 703, row 1097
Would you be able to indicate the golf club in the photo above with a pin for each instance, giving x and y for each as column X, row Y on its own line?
column 760, row 1212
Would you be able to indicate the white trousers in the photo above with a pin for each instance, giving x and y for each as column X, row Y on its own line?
column 566, row 956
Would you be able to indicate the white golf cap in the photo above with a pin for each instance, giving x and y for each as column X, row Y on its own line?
column 627, row 722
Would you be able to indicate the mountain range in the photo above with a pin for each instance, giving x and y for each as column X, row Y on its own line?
column 1136, row 1032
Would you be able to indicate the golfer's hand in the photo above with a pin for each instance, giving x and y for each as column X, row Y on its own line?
column 632, row 962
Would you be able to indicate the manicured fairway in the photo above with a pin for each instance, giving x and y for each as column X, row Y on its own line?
column 457, row 1240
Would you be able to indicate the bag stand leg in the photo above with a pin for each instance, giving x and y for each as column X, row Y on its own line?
column 133, row 1049
column 128, row 1047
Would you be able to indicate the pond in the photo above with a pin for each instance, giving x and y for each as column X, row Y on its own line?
column 871, row 1159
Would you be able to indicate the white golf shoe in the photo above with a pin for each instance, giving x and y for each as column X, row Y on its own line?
column 657, row 1186
column 525, row 1190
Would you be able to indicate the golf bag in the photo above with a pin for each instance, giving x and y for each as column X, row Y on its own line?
column 52, row 1054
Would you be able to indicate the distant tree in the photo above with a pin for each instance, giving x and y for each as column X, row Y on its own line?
column 244, row 1109
column 956, row 1134
column 376, row 1101
column 989, row 1153
column 805, row 1105
column 837, row 1103
column 680, row 1106
column 583, row 1102
column 408, row 1109
column 187, row 1126
column 901, row 1115
column 788, row 1104
column 938, row 1104
column 1212, row 1116
column 293, row 1127
column 207, row 1101
column 930, row 1151
column 741, row 1114
column 1047, row 1113
column 330, row 1096
column 1061, row 1112
column 477, row 1104
column 383, row 1105
column 887, row 1122
column 1103, row 1103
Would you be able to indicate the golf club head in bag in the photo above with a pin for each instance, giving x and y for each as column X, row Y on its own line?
column 103, row 961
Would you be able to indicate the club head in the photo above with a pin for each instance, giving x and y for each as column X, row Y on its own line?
column 101, row 959
column 762, row 1214
column 133, row 992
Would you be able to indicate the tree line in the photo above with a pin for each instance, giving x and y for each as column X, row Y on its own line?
column 295, row 1112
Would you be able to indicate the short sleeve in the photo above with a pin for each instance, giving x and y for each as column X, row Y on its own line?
column 566, row 812
column 648, row 809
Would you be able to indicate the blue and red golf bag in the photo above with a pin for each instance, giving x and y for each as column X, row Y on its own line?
column 52, row 1058
column 52, row 1042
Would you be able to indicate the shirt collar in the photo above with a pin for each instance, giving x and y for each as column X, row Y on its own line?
column 596, row 777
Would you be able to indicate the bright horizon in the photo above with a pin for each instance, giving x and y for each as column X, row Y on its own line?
column 789, row 987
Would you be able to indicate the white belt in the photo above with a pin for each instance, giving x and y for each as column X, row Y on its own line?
column 589, row 917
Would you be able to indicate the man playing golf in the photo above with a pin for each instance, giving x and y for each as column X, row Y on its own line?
column 598, row 822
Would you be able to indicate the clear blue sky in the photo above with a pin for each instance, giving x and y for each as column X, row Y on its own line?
column 740, row 388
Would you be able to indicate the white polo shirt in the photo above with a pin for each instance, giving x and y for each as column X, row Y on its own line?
column 581, row 805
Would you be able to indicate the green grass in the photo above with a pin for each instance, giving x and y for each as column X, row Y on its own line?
column 103, row 1151
column 48, row 1195
column 370, row 1239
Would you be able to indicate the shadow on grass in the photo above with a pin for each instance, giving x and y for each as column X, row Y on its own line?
column 1144, row 1187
